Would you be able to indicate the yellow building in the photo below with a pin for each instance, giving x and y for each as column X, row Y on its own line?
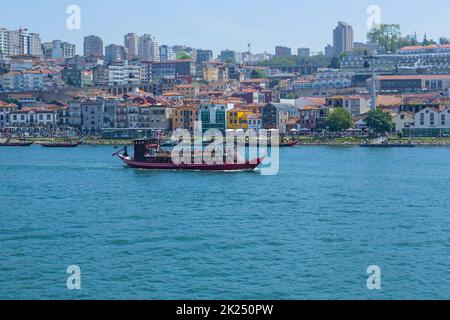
column 237, row 119
column 215, row 71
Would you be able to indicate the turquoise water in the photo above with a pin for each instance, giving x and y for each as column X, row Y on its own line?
column 308, row 233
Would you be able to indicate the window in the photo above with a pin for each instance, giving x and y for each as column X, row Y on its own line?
column 442, row 119
column 422, row 119
column 432, row 119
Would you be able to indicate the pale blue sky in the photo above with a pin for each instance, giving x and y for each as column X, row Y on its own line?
column 220, row 24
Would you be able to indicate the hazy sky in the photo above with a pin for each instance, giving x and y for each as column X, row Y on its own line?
column 222, row 24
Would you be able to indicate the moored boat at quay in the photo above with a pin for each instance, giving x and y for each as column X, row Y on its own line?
column 388, row 145
column 63, row 144
column 15, row 143
column 383, row 142
column 149, row 155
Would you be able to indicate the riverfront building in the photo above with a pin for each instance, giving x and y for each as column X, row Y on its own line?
column 213, row 115
column 412, row 83
column 184, row 117
column 238, row 118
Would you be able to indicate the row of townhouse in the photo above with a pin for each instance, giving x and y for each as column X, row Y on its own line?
column 96, row 115
column 46, row 117
column 217, row 114
column 22, row 81
column 428, row 122
column 30, row 80
column 223, row 115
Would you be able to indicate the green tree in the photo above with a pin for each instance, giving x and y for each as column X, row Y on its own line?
column 444, row 40
column 334, row 63
column 13, row 100
column 427, row 42
column 280, row 61
column 291, row 95
column 257, row 74
column 379, row 121
column 408, row 40
column 338, row 120
column 183, row 56
column 387, row 36
column 319, row 60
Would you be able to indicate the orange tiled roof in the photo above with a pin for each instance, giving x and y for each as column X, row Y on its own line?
column 172, row 94
column 310, row 108
column 316, row 101
column 409, row 48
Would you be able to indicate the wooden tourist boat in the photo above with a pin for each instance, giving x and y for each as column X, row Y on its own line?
column 148, row 155
column 68, row 144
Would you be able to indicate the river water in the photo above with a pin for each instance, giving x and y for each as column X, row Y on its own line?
column 309, row 232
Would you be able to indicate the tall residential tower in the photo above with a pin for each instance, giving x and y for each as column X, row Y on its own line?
column 343, row 38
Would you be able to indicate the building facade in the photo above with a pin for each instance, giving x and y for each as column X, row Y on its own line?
column 131, row 43
column 148, row 48
column 115, row 53
column 343, row 38
column 281, row 51
column 93, row 46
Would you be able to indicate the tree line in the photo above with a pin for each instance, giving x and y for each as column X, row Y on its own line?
column 389, row 38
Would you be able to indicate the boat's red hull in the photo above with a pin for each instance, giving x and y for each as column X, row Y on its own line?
column 193, row 167
column 289, row 144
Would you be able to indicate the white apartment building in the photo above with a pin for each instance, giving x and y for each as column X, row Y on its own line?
column 22, row 81
column 58, row 49
column 432, row 118
column 146, row 71
column 166, row 53
column 23, row 42
column 148, row 48
column 33, row 119
column 124, row 74
column 5, row 41
column 5, row 110
column 131, row 43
